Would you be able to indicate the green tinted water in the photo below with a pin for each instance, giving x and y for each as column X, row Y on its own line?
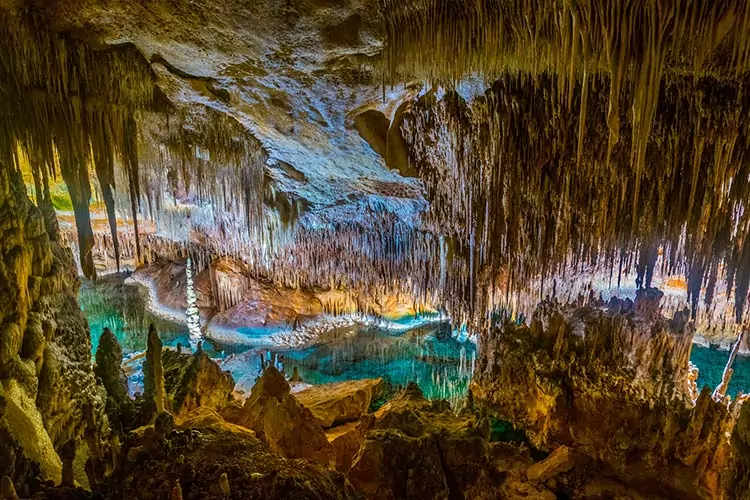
column 427, row 355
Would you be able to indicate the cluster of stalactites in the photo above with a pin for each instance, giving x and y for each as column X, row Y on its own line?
column 380, row 256
column 521, row 188
column 73, row 110
column 634, row 43
column 67, row 108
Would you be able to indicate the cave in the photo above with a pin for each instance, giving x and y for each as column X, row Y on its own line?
column 374, row 249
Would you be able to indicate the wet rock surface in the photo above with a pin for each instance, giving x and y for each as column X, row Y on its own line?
column 195, row 380
column 420, row 449
column 211, row 459
column 46, row 378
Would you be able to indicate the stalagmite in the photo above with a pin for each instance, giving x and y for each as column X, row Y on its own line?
column 176, row 492
column 224, row 484
column 153, row 372
column 192, row 314
column 7, row 490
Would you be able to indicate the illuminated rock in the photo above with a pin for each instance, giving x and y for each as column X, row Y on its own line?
column 195, row 380
column 338, row 403
column 280, row 421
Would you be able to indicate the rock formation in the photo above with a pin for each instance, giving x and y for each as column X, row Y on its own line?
column 280, row 421
column 212, row 459
column 153, row 373
column 195, row 380
column 108, row 367
column 610, row 384
column 342, row 402
column 46, row 379
column 420, row 449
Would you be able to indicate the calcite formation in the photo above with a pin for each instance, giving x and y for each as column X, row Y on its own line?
column 611, row 383
column 274, row 161
column 287, row 427
column 195, row 380
column 46, row 378
column 341, row 402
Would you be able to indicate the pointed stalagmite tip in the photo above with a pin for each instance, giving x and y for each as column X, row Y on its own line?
column 176, row 493
column 7, row 490
column 224, row 483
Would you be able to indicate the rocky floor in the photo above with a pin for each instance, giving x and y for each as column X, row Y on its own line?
column 273, row 447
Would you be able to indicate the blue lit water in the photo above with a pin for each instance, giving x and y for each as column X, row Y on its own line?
column 426, row 354
column 711, row 363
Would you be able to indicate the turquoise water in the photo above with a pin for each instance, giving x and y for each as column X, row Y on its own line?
column 426, row 354
column 711, row 363
column 109, row 302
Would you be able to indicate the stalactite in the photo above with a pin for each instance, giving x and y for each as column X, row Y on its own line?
column 506, row 166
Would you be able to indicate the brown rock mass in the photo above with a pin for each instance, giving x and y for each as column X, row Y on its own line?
column 612, row 385
column 341, row 402
column 280, row 421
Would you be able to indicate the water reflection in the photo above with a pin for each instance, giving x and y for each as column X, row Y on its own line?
column 426, row 354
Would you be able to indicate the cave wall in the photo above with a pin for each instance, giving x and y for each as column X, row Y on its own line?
column 46, row 380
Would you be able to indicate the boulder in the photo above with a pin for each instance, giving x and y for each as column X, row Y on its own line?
column 278, row 419
column 207, row 419
column 346, row 440
column 24, row 422
column 195, row 380
column 392, row 465
column 335, row 404
column 559, row 461
column 421, row 449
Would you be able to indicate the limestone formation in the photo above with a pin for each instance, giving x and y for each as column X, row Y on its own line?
column 153, row 373
column 559, row 461
column 341, row 402
column 420, row 449
column 46, row 378
column 599, row 381
column 280, row 421
column 218, row 460
column 193, row 381
column 347, row 439
column 108, row 368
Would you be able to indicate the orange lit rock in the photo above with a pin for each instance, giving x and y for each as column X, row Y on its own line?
column 341, row 402
column 279, row 420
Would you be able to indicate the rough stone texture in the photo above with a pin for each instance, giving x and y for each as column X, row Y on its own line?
column 46, row 378
column 346, row 440
column 201, row 450
column 153, row 374
column 739, row 483
column 341, row 402
column 279, row 420
column 611, row 385
column 420, row 449
column 108, row 367
column 195, row 380
column 561, row 460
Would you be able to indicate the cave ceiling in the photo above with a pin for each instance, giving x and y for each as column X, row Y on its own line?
column 464, row 146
